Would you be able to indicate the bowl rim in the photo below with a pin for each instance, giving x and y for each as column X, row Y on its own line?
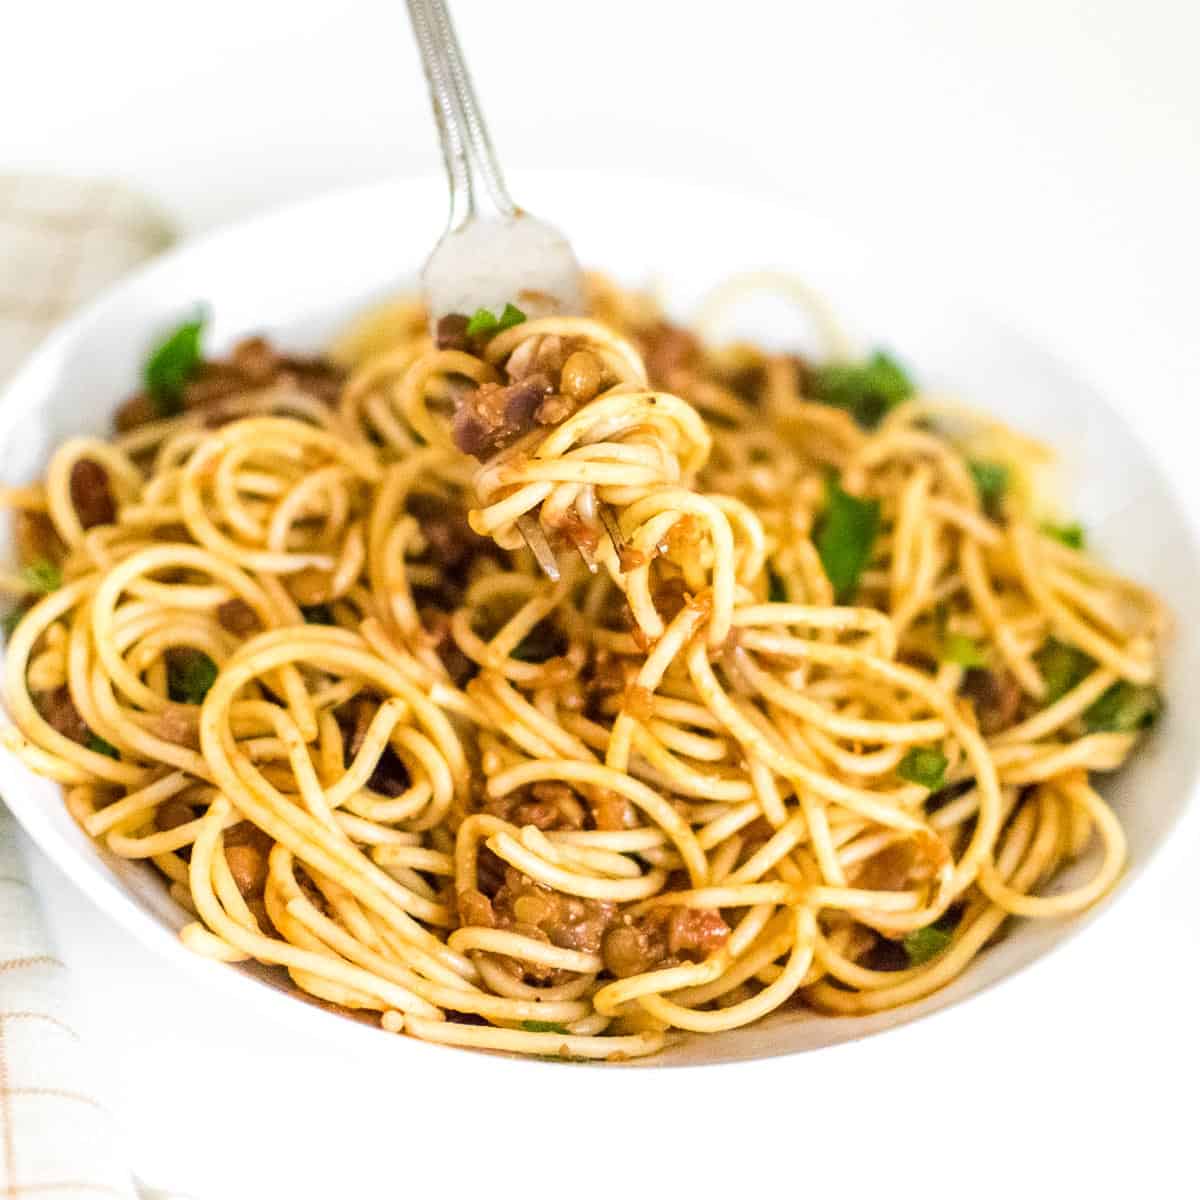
column 33, row 380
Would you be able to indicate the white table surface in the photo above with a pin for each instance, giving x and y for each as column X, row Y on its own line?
column 1048, row 151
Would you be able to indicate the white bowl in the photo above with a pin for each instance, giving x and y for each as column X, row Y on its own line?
column 298, row 274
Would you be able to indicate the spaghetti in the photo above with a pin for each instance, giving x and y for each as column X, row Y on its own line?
column 812, row 709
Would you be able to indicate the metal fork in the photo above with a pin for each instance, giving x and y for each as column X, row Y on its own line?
column 492, row 253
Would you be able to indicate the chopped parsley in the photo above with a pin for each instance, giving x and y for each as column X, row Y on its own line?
column 486, row 324
column 923, row 944
column 866, row 390
column 1063, row 666
column 845, row 538
column 963, row 651
column 171, row 364
column 991, row 482
column 1124, row 708
column 925, row 765
column 1070, row 535
column 543, row 1027
column 42, row 575
column 96, row 743
column 189, row 676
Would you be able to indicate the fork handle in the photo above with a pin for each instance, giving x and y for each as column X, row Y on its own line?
column 471, row 166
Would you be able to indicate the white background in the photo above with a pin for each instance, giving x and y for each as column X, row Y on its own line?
column 1045, row 151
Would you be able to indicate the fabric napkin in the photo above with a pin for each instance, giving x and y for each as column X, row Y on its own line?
column 60, row 242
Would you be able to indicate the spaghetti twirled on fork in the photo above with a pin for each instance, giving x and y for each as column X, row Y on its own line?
column 811, row 710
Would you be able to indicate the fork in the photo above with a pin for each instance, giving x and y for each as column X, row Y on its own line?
column 492, row 253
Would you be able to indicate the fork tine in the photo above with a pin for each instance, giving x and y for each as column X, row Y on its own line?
column 588, row 557
column 535, row 539
column 612, row 527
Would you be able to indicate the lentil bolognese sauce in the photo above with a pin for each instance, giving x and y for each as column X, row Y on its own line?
column 811, row 709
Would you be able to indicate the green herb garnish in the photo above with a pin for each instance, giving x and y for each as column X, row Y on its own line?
column 1070, row 535
column 189, row 676
column 96, row 743
column 991, row 482
column 776, row 588
column 171, row 364
column 42, row 575
column 963, row 651
column 10, row 621
column 867, row 390
column 317, row 614
column 1124, row 708
column 846, row 538
column 923, row 944
column 925, row 765
column 1064, row 667
column 486, row 324
column 543, row 1027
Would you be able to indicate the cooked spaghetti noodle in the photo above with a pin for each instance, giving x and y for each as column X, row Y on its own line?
column 812, row 709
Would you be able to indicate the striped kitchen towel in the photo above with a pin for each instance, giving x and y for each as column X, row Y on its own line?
column 61, row 241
